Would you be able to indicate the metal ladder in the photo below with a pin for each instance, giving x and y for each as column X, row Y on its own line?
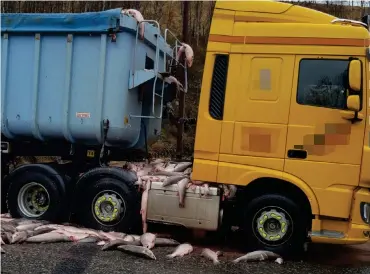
column 156, row 73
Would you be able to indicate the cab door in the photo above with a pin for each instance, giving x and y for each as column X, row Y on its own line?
column 324, row 148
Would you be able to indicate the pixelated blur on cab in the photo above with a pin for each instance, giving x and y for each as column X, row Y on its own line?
column 284, row 114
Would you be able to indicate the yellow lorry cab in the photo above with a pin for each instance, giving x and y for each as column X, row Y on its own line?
column 284, row 114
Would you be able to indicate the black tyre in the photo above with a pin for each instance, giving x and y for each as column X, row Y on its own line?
column 275, row 223
column 34, row 195
column 109, row 204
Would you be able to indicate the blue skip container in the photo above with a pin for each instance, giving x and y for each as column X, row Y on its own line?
column 64, row 75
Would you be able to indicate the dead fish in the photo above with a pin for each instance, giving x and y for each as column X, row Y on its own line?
column 27, row 226
column 2, row 250
column 136, row 237
column 279, row 260
column 206, row 189
column 40, row 231
column 165, row 242
column 5, row 215
column 129, row 238
column 167, row 173
column 182, row 189
column 173, row 180
column 89, row 239
column 157, row 161
column 148, row 240
column 187, row 171
column 140, row 250
column 75, row 237
column 181, row 167
column 7, row 237
column 181, row 250
column 232, row 191
column 50, row 237
column 259, row 255
column 153, row 178
column 117, row 234
column 189, row 54
column 144, row 206
column 19, row 237
column 101, row 243
column 226, row 190
column 8, row 228
column 53, row 226
column 139, row 18
column 170, row 167
column 113, row 244
column 210, row 254
column 28, row 222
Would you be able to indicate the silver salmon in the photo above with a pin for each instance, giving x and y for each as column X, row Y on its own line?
column 51, row 237
column 182, row 189
column 148, row 240
column 113, row 244
column 259, row 255
column 165, row 242
column 173, row 180
column 181, row 250
column 210, row 254
column 139, row 250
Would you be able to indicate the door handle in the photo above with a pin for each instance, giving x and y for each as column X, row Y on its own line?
column 297, row 153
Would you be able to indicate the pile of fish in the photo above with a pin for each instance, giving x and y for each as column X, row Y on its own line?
column 170, row 173
column 16, row 231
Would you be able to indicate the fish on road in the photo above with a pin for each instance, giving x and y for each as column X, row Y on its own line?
column 181, row 250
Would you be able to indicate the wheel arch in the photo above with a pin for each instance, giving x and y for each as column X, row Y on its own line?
column 96, row 173
column 279, row 182
column 111, row 172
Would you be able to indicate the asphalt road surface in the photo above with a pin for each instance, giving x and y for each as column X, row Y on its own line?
column 88, row 258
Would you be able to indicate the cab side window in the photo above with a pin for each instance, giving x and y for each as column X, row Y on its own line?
column 323, row 83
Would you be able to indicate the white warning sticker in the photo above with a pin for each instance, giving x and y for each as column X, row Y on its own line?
column 83, row 114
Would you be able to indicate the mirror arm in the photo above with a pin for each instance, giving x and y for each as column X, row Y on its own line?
column 356, row 119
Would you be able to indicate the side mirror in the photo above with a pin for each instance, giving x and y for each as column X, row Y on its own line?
column 354, row 103
column 354, row 76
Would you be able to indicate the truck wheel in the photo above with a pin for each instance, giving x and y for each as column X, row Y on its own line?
column 109, row 205
column 275, row 223
column 34, row 195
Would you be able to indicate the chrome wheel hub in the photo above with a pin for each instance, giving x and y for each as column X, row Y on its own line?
column 108, row 207
column 33, row 200
column 272, row 225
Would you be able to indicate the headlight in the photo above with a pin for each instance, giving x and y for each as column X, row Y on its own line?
column 365, row 212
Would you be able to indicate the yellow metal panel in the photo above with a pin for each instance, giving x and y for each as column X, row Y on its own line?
column 254, row 101
column 227, row 135
column 322, row 174
column 222, row 22
column 204, row 170
column 271, row 11
column 292, row 50
column 264, row 162
column 218, row 47
column 340, row 196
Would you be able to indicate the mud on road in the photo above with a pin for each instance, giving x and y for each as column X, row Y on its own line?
column 88, row 258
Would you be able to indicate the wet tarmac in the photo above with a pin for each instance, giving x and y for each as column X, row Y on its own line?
column 88, row 258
